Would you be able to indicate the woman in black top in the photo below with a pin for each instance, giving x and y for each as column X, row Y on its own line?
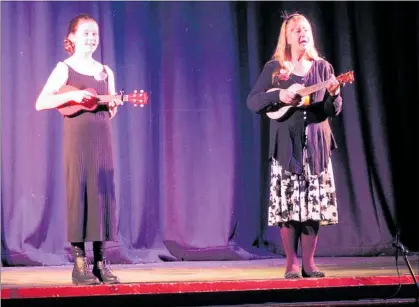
column 302, row 191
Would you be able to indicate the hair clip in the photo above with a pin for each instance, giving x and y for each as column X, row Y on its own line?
column 287, row 16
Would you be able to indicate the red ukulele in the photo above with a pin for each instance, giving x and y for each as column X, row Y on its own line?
column 72, row 107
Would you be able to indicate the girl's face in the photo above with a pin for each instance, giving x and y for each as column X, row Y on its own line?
column 86, row 37
column 299, row 35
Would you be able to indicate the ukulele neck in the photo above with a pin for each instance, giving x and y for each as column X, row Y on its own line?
column 105, row 99
column 311, row 89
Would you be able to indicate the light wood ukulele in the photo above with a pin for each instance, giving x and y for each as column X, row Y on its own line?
column 304, row 93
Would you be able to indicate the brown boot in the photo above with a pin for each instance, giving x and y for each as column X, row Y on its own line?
column 81, row 273
column 103, row 272
column 101, row 268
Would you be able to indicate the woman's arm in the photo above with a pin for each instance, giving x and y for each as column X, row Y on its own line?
column 332, row 101
column 258, row 99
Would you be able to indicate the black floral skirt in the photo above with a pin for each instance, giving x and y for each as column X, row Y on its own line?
column 301, row 198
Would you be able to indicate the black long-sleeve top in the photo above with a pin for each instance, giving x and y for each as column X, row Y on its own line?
column 288, row 136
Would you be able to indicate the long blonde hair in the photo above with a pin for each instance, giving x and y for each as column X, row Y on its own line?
column 282, row 52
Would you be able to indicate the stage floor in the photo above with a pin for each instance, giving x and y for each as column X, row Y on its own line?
column 176, row 278
column 271, row 269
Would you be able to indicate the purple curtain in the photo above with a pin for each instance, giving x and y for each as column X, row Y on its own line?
column 191, row 167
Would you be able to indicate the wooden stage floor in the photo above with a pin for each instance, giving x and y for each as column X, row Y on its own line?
column 208, row 276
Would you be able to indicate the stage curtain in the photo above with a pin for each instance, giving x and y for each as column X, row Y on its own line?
column 191, row 168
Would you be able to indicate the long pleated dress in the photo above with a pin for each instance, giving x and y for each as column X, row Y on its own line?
column 89, row 169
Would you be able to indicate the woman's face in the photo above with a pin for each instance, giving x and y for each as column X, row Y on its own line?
column 299, row 35
column 86, row 37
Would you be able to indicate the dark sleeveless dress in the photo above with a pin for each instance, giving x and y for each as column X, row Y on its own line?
column 88, row 168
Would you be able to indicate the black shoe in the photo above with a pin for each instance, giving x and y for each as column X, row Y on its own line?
column 81, row 274
column 292, row 275
column 103, row 272
column 314, row 274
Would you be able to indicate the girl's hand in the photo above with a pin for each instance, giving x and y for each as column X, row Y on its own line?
column 82, row 96
column 113, row 106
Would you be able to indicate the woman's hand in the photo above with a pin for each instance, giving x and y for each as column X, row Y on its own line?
column 333, row 86
column 289, row 97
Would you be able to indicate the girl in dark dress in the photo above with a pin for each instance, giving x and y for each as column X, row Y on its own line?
column 88, row 160
column 302, row 190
